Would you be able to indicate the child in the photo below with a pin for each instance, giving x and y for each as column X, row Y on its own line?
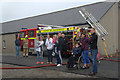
column 76, row 51
column 39, row 51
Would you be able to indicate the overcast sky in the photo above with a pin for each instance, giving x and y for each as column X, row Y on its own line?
column 18, row 9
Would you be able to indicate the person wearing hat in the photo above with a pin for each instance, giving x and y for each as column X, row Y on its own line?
column 25, row 46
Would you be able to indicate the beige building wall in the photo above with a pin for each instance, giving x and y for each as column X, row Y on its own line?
column 110, row 23
column 0, row 38
column 119, row 28
column 10, row 44
column 0, row 44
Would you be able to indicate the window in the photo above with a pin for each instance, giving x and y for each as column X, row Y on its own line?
column 4, row 44
column 25, row 33
column 32, row 33
column 28, row 33
column 22, row 34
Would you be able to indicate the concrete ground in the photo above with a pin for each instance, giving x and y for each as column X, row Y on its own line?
column 106, row 69
column 37, row 73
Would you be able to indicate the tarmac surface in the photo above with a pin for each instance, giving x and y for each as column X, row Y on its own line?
column 37, row 73
column 106, row 69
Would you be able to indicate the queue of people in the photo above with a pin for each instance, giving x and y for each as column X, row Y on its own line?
column 58, row 44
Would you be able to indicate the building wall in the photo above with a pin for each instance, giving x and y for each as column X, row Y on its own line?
column 10, row 43
column 0, row 44
column 119, row 28
column 0, row 38
column 110, row 23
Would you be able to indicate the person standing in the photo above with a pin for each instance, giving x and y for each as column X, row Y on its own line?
column 54, row 39
column 39, row 50
column 77, row 39
column 94, row 50
column 64, row 50
column 59, row 47
column 85, row 52
column 54, row 42
column 17, row 46
column 25, row 46
column 49, row 46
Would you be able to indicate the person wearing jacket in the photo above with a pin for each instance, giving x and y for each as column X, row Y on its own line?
column 85, row 52
column 39, row 50
column 77, row 38
column 49, row 46
column 94, row 50
column 76, row 51
column 17, row 46
column 64, row 50
column 25, row 46
column 54, row 42
column 54, row 39
column 59, row 49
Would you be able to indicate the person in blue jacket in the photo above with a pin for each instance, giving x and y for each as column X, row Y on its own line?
column 17, row 46
column 76, row 51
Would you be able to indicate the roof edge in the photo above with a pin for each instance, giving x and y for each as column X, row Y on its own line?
column 107, row 11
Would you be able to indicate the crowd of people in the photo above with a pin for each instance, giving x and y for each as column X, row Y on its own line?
column 58, row 45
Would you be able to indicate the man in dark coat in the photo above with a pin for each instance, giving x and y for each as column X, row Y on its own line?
column 59, row 47
column 94, row 50
column 64, row 50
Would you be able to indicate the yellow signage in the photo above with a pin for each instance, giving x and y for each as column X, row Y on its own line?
column 53, row 30
column 22, row 38
column 57, row 30
column 32, row 38
column 71, row 28
column 37, row 31
column 28, row 38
